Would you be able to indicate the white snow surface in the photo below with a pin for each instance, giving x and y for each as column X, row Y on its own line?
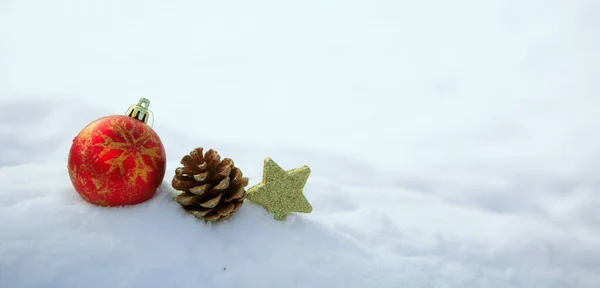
column 451, row 143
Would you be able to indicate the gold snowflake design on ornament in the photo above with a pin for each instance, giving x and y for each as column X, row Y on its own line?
column 86, row 135
column 130, row 147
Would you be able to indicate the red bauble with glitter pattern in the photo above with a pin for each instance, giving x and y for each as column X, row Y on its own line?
column 116, row 161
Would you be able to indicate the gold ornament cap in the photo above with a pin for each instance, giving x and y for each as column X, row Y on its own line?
column 140, row 111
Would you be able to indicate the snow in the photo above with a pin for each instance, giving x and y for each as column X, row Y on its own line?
column 451, row 143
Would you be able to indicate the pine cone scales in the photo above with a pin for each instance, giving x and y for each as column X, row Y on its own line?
column 213, row 189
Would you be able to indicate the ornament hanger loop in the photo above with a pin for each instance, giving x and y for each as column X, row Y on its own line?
column 140, row 111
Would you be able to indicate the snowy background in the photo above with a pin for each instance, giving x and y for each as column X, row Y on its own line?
column 451, row 143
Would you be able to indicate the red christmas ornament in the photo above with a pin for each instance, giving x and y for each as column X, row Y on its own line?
column 118, row 160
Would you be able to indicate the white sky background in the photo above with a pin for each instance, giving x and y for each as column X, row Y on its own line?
column 404, row 84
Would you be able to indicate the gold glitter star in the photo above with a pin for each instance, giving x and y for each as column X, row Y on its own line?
column 280, row 192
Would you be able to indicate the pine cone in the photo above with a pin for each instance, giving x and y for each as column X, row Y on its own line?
column 213, row 189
